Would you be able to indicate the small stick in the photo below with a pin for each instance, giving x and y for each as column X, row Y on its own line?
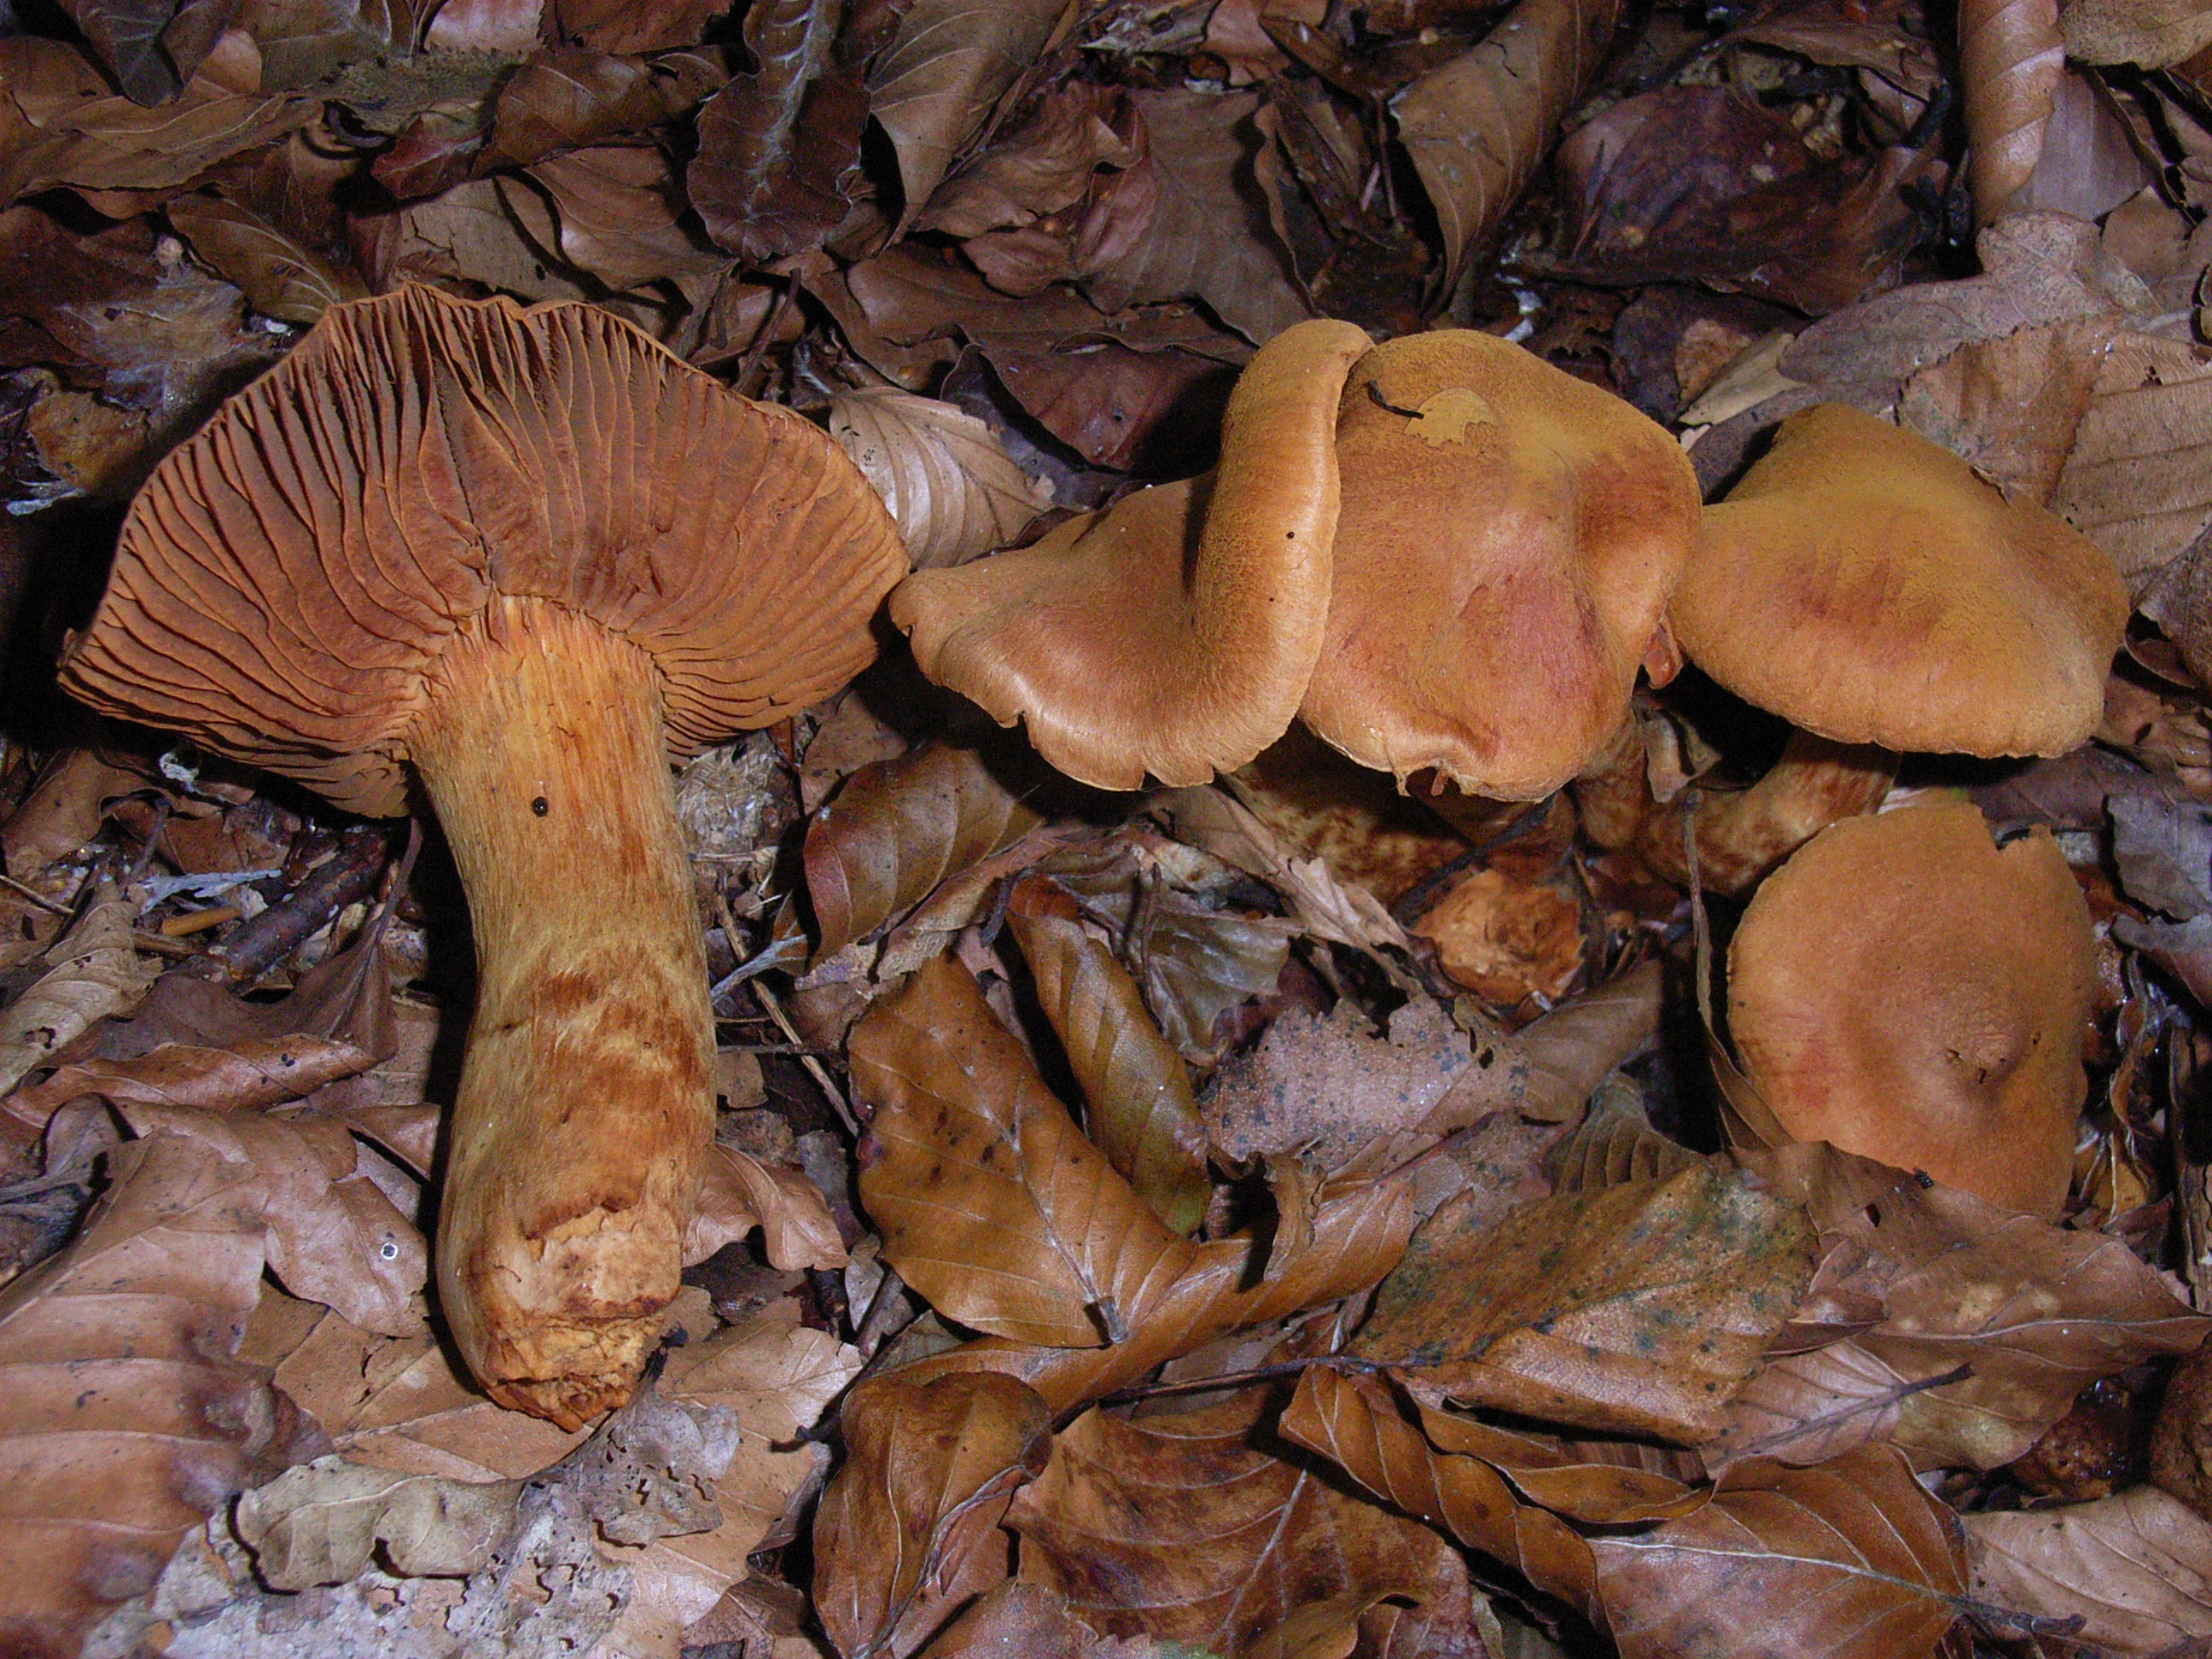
column 349, row 875
column 768, row 1000
column 199, row 920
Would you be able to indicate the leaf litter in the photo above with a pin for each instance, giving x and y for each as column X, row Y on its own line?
column 1286, row 1216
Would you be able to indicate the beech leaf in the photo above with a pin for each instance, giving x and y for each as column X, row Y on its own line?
column 124, row 1417
column 897, row 829
column 95, row 972
column 936, row 84
column 279, row 277
column 320, row 1523
column 572, row 98
column 2135, row 1568
column 1142, row 1113
column 928, row 1472
column 949, row 484
column 1638, row 1309
column 1851, row 1558
column 2011, row 56
column 1173, row 1527
column 1477, row 127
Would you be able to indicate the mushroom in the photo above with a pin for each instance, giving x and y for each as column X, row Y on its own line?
column 1175, row 632
column 530, row 555
column 1865, row 585
column 1906, row 990
column 1505, row 539
column 1508, row 537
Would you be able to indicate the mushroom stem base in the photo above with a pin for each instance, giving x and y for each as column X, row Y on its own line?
column 585, row 1104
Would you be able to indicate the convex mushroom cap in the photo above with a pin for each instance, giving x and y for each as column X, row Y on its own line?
column 1863, row 584
column 530, row 554
column 1173, row 634
column 1445, row 554
column 1907, row 990
column 1507, row 538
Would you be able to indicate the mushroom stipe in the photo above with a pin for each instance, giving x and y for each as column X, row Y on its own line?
column 529, row 555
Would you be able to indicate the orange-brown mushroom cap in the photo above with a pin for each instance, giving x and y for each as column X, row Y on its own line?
column 1864, row 583
column 1908, row 990
column 1508, row 539
column 1175, row 632
column 286, row 578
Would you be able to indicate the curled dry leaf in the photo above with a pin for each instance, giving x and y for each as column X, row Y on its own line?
column 952, row 488
column 2135, row 479
column 1638, row 1309
column 991, row 1202
column 1615, row 1143
column 95, row 972
column 1141, row 1112
column 738, row 1192
column 321, row 1523
column 279, row 277
column 2032, row 1312
column 1477, row 127
column 124, row 1417
column 934, row 86
column 1570, row 1049
column 573, row 97
column 250, row 1074
column 899, row 827
column 1374, row 1435
column 63, row 811
column 929, row 1470
column 1174, row 1526
column 2135, row 1568
column 1851, row 1558
column 777, row 147
column 2011, row 56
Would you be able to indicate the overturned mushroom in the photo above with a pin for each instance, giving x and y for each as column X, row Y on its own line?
column 1905, row 989
column 1175, row 633
column 1866, row 585
column 532, row 555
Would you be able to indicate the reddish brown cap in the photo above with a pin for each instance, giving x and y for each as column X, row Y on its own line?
column 1508, row 539
column 1864, row 583
column 1907, row 990
column 1175, row 632
column 288, row 578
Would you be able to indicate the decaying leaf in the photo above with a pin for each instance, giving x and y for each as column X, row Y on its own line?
column 952, row 488
column 2135, row 480
column 1848, row 1557
column 2149, row 33
column 929, row 1471
column 94, row 972
column 1477, row 127
column 124, row 1417
column 1638, row 1309
column 2135, row 1568
column 320, row 1522
column 1141, row 1112
column 1174, row 1526
column 897, row 829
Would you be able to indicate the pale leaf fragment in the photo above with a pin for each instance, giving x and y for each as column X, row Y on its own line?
column 95, row 973
column 948, row 482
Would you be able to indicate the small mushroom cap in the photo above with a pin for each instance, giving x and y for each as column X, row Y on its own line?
column 1908, row 990
column 1864, row 583
column 288, row 578
column 1503, row 553
column 1175, row 632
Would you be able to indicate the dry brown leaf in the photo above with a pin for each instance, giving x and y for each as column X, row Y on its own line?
column 1140, row 1110
column 950, row 486
column 149, row 45
column 279, row 277
column 2151, row 33
column 2135, row 482
column 124, row 1417
column 94, row 972
column 613, row 216
column 1851, row 1558
column 321, row 1523
column 991, row 1202
column 1638, row 1309
column 1323, row 1085
column 1018, row 1617
column 778, row 147
column 1570, row 1049
column 63, row 811
column 2137, row 1568
column 928, row 1472
column 250, row 1074
column 1477, row 127
column 1174, row 1526
column 1368, row 1428
column 934, row 86
column 739, row 1192
column 899, row 827
column 2011, row 56
column 571, row 97
column 1043, row 166
column 2034, row 1312
column 2010, row 406
column 778, row 1377
column 1615, row 1143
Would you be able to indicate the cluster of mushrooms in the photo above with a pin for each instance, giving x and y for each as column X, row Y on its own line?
column 524, row 558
